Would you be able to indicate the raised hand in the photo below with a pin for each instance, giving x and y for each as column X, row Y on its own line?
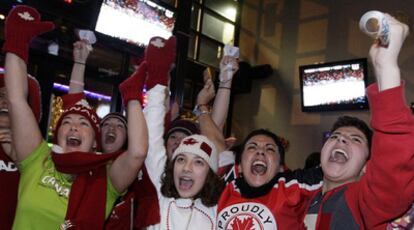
column 206, row 94
column 21, row 26
column 384, row 59
column 81, row 51
column 159, row 55
column 131, row 88
column 228, row 67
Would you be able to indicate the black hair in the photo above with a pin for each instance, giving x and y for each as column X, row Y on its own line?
column 348, row 121
column 185, row 126
column 267, row 133
column 123, row 120
column 313, row 160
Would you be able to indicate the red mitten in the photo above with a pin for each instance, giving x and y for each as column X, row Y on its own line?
column 71, row 99
column 21, row 26
column 159, row 55
column 131, row 88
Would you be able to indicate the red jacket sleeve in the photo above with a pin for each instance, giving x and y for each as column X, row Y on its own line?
column 387, row 188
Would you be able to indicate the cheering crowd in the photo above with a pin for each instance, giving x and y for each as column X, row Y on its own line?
column 144, row 171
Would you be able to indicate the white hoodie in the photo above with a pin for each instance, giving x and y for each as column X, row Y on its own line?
column 176, row 214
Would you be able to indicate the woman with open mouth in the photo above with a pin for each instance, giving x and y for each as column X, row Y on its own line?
column 258, row 194
column 10, row 174
column 59, row 186
column 187, row 185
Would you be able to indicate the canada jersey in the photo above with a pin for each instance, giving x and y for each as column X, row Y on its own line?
column 246, row 215
column 283, row 207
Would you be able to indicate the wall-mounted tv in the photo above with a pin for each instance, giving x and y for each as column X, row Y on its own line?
column 134, row 21
column 334, row 86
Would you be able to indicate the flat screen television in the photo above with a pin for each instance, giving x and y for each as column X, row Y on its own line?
column 334, row 86
column 134, row 21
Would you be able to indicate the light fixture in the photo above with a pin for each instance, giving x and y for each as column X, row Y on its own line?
column 103, row 109
column 231, row 13
column 90, row 94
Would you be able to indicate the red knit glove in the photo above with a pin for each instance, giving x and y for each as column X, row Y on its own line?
column 21, row 26
column 131, row 88
column 71, row 99
column 159, row 55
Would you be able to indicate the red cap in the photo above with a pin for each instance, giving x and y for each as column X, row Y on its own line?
column 82, row 108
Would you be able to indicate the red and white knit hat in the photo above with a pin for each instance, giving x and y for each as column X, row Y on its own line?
column 34, row 98
column 82, row 108
column 201, row 146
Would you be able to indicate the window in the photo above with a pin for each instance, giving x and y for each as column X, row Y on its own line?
column 210, row 52
column 214, row 23
column 218, row 29
column 226, row 8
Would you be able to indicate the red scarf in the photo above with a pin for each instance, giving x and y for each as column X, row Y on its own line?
column 87, row 199
column 141, row 201
column 148, row 211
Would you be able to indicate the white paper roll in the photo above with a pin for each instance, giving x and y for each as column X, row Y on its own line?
column 374, row 24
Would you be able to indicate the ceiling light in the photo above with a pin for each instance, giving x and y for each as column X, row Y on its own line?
column 231, row 13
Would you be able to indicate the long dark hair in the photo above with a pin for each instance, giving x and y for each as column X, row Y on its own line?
column 209, row 194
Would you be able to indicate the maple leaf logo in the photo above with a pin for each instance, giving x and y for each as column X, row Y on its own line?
column 25, row 16
column 190, row 141
column 246, row 224
column 83, row 103
column 158, row 43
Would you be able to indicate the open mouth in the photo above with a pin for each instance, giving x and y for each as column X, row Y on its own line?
column 4, row 110
column 338, row 156
column 185, row 183
column 258, row 167
column 73, row 141
column 110, row 138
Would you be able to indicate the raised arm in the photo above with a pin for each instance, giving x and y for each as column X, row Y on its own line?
column 208, row 127
column 22, row 24
column 80, row 56
column 155, row 111
column 125, row 168
column 159, row 55
column 221, row 102
column 388, row 181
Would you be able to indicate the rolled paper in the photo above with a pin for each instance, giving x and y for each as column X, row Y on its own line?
column 374, row 24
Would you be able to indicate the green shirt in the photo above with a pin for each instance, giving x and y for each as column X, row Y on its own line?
column 44, row 193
